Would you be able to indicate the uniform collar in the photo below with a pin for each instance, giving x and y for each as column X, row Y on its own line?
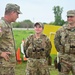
column 8, row 24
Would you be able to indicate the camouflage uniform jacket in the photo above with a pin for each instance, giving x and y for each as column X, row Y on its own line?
column 37, row 48
column 65, row 42
column 59, row 37
column 7, row 42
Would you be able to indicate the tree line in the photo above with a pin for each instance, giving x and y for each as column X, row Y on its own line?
column 57, row 10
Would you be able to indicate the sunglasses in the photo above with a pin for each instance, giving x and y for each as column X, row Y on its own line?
column 70, row 16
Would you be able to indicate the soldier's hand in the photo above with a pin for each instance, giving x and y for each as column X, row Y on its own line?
column 5, row 55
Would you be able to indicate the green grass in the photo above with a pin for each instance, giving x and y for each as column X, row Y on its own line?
column 19, row 35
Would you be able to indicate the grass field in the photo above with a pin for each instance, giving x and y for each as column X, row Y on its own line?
column 23, row 34
column 19, row 35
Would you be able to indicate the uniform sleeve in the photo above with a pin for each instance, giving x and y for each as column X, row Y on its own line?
column 57, row 42
column 0, row 53
column 0, row 36
column 1, row 30
column 26, row 45
column 48, row 46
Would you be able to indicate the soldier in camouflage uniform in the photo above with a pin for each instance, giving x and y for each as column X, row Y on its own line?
column 65, row 44
column 7, row 46
column 37, row 48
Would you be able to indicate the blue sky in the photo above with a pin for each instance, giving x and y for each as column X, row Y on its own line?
column 38, row 10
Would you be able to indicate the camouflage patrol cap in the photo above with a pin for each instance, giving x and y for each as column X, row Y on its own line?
column 39, row 23
column 13, row 7
column 71, row 13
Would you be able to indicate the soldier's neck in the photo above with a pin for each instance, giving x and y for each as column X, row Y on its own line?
column 37, row 35
column 7, row 18
column 72, row 25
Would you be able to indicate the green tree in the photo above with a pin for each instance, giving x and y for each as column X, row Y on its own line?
column 16, row 24
column 23, row 24
column 58, row 15
column 28, row 24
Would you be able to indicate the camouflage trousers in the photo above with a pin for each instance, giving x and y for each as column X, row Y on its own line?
column 6, row 70
column 68, row 66
column 65, row 69
column 37, row 67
